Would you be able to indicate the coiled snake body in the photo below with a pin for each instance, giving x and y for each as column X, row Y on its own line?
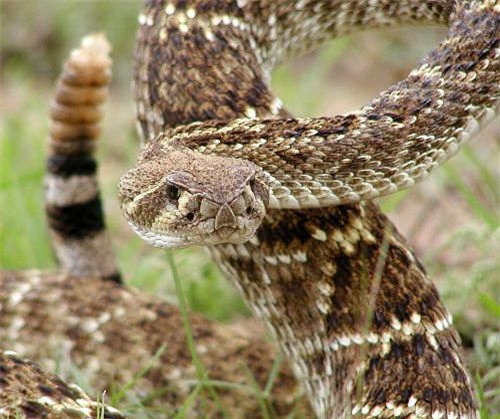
column 339, row 288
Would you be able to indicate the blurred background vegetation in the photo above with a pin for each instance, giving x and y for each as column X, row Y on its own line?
column 452, row 219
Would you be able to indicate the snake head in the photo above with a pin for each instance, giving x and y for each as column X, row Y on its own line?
column 176, row 197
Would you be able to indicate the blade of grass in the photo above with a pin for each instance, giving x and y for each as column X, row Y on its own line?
column 182, row 413
column 261, row 397
column 100, row 405
column 200, row 370
column 119, row 395
column 483, row 410
column 372, row 299
column 227, row 385
column 273, row 374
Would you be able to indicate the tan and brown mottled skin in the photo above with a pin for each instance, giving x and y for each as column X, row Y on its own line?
column 26, row 391
column 111, row 332
column 350, row 305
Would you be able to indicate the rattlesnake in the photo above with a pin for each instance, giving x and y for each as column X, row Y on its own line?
column 339, row 288
column 84, row 317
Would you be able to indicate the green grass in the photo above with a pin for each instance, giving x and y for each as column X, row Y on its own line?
column 463, row 196
column 23, row 239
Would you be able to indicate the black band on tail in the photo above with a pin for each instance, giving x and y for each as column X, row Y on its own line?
column 66, row 166
column 77, row 221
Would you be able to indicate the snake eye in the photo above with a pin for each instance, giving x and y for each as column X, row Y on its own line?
column 173, row 192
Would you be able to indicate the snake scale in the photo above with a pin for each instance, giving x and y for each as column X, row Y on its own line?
column 275, row 198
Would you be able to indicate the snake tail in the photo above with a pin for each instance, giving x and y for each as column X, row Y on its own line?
column 72, row 199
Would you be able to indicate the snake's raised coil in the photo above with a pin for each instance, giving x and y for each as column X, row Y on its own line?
column 349, row 303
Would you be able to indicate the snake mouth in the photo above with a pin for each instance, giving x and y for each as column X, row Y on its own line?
column 218, row 236
column 160, row 240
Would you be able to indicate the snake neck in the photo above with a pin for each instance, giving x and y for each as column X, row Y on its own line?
column 353, row 311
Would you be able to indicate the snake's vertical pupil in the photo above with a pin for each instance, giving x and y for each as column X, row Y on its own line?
column 173, row 192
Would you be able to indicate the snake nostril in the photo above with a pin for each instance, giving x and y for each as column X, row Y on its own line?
column 190, row 216
column 249, row 210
